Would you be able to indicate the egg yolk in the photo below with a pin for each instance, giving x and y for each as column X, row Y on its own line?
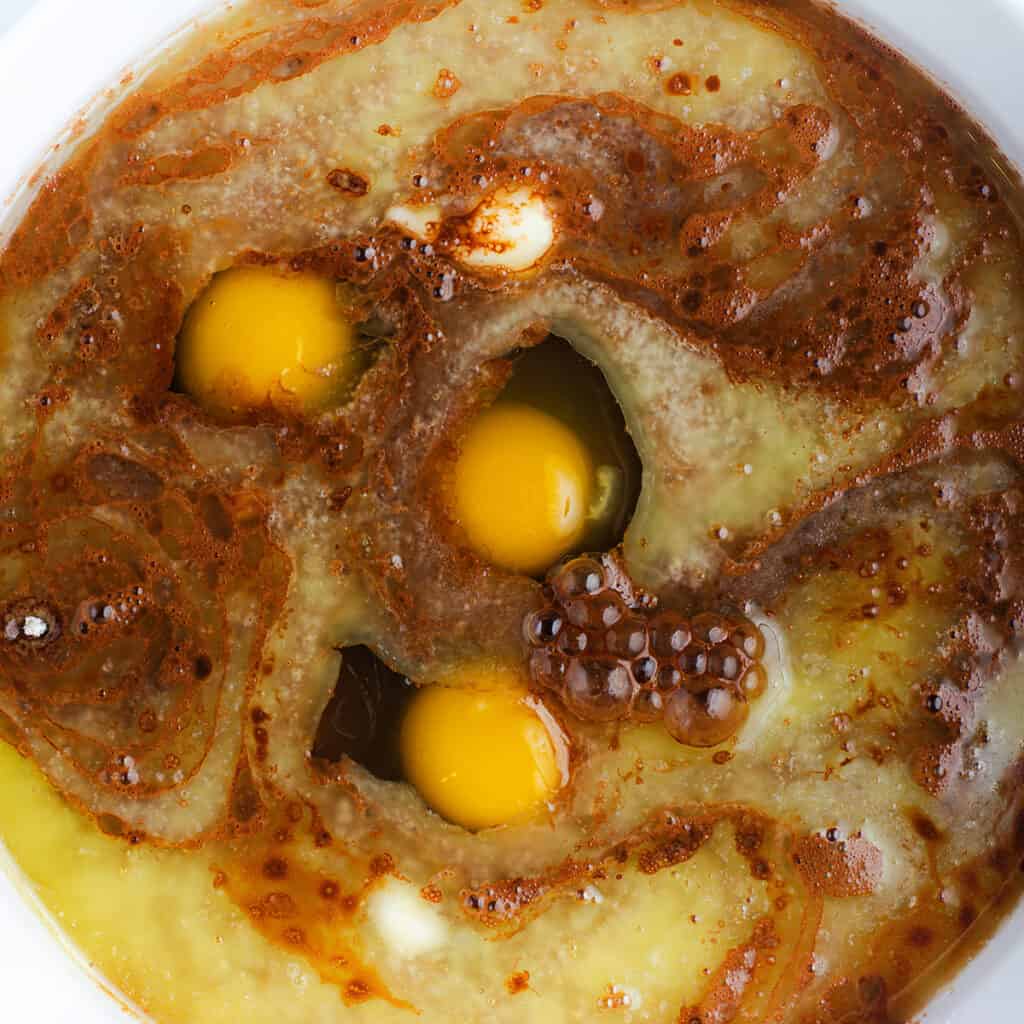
column 256, row 336
column 522, row 485
column 481, row 753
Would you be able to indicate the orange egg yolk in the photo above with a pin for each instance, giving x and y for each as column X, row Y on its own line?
column 523, row 483
column 256, row 337
column 482, row 752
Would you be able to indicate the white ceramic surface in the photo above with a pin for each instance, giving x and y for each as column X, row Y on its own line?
column 64, row 53
column 11, row 11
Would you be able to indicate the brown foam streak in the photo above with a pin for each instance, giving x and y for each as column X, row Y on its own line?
column 57, row 226
column 851, row 70
column 186, row 166
column 669, row 838
column 839, row 868
column 301, row 50
column 920, row 951
column 171, row 715
column 105, row 761
column 482, row 148
column 305, row 912
column 483, row 144
column 55, row 229
column 724, row 998
column 989, row 583
column 930, row 441
column 125, row 315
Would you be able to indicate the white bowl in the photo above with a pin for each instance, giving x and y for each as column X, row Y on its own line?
column 57, row 63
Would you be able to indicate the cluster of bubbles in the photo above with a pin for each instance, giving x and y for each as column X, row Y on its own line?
column 610, row 654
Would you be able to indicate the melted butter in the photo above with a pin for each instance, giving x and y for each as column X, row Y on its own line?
column 874, row 621
column 143, row 916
